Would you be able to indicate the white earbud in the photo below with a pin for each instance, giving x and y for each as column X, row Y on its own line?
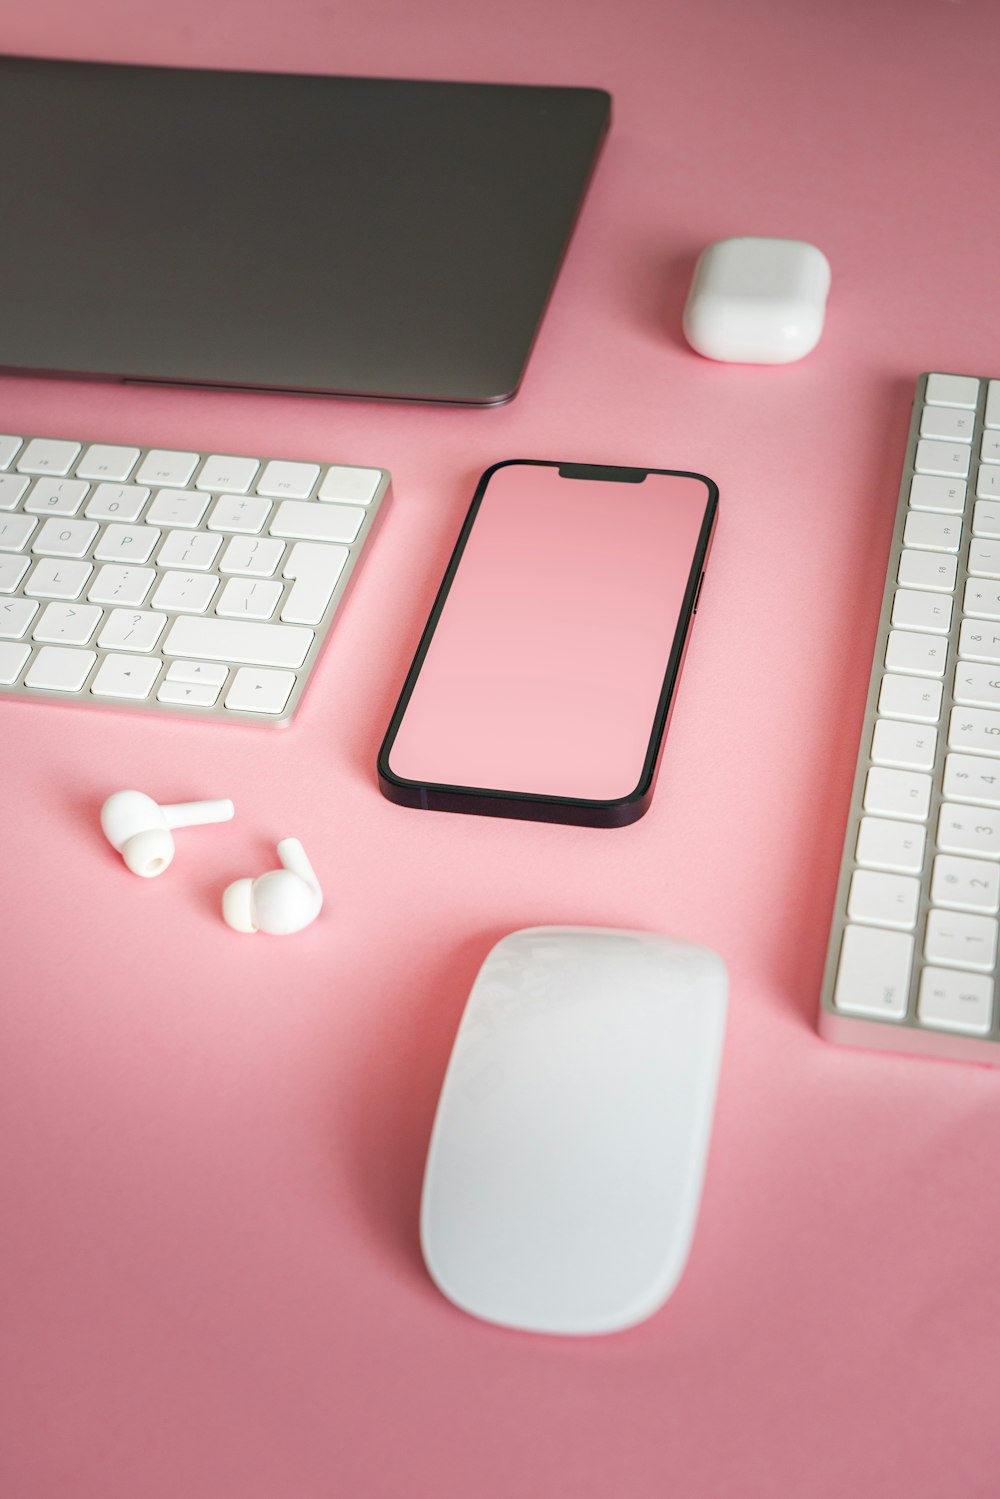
column 140, row 829
column 282, row 901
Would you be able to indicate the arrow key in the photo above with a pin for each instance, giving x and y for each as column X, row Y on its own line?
column 126, row 676
column 257, row 691
column 188, row 694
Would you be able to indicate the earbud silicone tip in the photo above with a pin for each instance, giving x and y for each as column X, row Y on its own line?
column 237, row 906
column 148, row 853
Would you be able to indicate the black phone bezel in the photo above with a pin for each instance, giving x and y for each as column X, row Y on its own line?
column 531, row 806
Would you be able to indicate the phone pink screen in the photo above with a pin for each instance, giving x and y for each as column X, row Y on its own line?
column 548, row 660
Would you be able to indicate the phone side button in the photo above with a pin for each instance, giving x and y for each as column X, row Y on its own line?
column 698, row 594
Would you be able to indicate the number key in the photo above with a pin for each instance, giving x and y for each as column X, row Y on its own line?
column 969, row 830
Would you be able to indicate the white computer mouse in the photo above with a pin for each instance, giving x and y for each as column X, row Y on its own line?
column 566, row 1160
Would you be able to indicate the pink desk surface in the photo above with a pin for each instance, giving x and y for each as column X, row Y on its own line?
column 212, row 1145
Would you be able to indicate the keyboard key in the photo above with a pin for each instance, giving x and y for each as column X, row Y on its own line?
column 64, row 538
column 192, row 592
column 976, row 729
column 959, row 940
column 988, row 482
column 883, row 899
column 969, row 778
column 127, row 677
column 984, row 558
column 12, row 660
column 177, row 507
column 245, row 513
column 55, row 579
column 126, row 544
column 966, row 884
column 969, row 830
column 923, row 655
column 934, row 570
column 194, row 550
column 242, row 641
column 164, row 466
column 989, row 450
column 951, row 1001
column 67, row 624
column 914, row 698
column 291, row 481
column 44, row 455
column 255, row 691
column 978, row 642
column 992, row 405
column 354, row 486
column 121, row 502
column 233, row 475
column 249, row 598
column 928, row 612
column 986, row 518
column 257, row 556
column 12, row 488
column 947, row 458
column 15, row 617
column 188, row 694
column 898, row 793
column 9, row 448
column 122, row 585
column 896, row 846
column 873, row 975
column 907, row 746
column 316, row 570
column 58, row 668
column 56, row 497
column 930, row 492
column 12, row 570
column 948, row 423
column 976, row 685
column 102, row 461
column 205, row 673
column 317, row 522
column 952, row 390
column 131, row 629
column 15, row 530
column 927, row 532
column 982, row 599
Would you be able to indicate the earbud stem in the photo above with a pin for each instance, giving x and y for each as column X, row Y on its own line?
column 293, row 856
column 193, row 814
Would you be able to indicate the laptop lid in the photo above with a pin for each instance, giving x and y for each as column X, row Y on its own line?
column 342, row 235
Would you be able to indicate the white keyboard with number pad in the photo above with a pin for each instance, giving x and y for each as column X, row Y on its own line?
column 912, row 963
column 195, row 584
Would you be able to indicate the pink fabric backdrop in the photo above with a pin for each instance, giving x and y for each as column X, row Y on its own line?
column 211, row 1145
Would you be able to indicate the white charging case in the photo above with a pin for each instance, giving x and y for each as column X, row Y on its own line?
column 757, row 301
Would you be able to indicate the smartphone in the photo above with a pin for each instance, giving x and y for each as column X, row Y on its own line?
column 544, row 678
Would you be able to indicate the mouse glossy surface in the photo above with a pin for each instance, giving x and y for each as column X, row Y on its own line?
column 566, row 1160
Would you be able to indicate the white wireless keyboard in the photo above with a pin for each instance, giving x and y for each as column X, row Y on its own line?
column 196, row 584
column 913, row 950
